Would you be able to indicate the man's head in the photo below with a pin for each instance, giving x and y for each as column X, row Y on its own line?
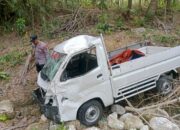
column 34, row 39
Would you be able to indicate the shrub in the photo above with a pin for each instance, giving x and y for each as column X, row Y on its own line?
column 61, row 127
column 119, row 23
column 11, row 59
column 20, row 26
column 139, row 21
column 4, row 75
column 165, row 39
column 103, row 28
column 3, row 117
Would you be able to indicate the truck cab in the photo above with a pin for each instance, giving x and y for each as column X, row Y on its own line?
column 78, row 81
column 76, row 73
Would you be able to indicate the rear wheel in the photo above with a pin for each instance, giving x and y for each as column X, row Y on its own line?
column 90, row 113
column 164, row 85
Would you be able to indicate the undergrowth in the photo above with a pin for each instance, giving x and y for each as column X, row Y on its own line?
column 10, row 60
column 165, row 39
column 4, row 75
column 61, row 127
column 3, row 117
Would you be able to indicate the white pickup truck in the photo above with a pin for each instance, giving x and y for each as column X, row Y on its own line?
column 78, row 80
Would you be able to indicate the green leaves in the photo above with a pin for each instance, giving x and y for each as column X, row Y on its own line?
column 20, row 26
column 3, row 117
column 102, row 4
column 3, row 76
column 11, row 59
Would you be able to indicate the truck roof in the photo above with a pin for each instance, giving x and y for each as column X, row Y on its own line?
column 75, row 44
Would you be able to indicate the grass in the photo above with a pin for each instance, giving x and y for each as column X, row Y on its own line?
column 11, row 59
column 139, row 21
column 165, row 39
column 3, row 117
column 61, row 127
column 3, row 75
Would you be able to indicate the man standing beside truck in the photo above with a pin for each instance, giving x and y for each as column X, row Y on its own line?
column 40, row 52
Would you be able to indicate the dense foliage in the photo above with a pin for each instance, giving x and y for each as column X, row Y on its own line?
column 21, row 13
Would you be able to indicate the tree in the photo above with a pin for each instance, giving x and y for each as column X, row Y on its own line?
column 152, row 8
column 168, row 5
column 129, row 8
column 140, row 2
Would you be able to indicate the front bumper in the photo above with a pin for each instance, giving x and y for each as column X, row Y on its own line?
column 51, row 112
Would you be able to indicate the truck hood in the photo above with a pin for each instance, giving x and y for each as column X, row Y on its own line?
column 47, row 86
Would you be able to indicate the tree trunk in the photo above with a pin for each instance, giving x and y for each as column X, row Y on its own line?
column 129, row 8
column 168, row 5
column 174, row 2
column 140, row 2
column 152, row 7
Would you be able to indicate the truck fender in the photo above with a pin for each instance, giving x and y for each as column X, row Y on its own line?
column 96, row 98
column 99, row 96
column 174, row 73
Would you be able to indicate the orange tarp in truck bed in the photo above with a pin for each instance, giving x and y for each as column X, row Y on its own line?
column 126, row 55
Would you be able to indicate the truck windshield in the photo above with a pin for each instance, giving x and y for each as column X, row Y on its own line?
column 52, row 65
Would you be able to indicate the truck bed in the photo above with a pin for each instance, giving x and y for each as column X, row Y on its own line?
column 141, row 46
column 153, row 55
column 139, row 75
column 150, row 50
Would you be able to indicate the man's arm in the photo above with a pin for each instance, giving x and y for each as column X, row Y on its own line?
column 32, row 54
column 46, row 52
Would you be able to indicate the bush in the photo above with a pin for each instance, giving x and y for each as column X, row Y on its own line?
column 21, row 11
column 4, row 75
column 119, row 23
column 103, row 28
column 3, row 117
column 11, row 59
column 20, row 26
column 149, row 17
column 165, row 39
column 61, row 127
column 103, row 25
column 139, row 21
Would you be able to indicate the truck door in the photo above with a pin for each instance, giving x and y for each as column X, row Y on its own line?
column 83, row 77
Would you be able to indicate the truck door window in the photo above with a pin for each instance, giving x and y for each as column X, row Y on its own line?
column 80, row 64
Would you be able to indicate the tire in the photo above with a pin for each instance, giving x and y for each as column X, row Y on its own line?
column 164, row 85
column 90, row 113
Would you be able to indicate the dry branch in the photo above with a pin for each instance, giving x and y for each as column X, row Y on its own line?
column 20, row 125
column 77, row 20
column 130, row 104
column 22, row 79
column 161, row 24
column 153, row 106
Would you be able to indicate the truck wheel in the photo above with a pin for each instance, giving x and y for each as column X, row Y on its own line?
column 164, row 85
column 90, row 113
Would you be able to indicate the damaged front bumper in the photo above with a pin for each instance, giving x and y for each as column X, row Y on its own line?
column 51, row 112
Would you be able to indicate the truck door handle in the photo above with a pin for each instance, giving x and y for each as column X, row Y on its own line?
column 99, row 75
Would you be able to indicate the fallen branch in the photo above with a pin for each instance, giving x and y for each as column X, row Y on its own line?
column 152, row 106
column 130, row 104
column 20, row 125
column 79, row 19
column 17, row 127
column 1, row 92
column 22, row 79
column 172, row 94
column 160, row 23
column 175, row 116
